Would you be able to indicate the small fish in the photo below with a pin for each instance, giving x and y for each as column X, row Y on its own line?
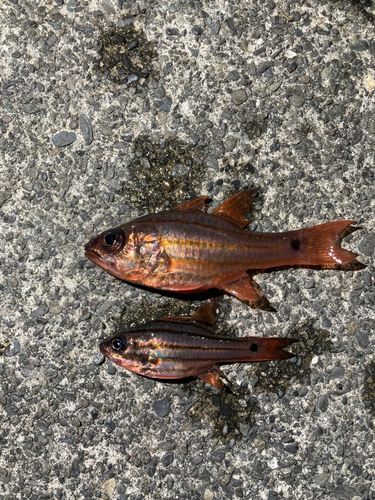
column 181, row 347
column 186, row 250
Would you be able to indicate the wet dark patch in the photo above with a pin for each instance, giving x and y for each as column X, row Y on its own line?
column 279, row 376
column 125, row 55
column 295, row 244
column 360, row 6
column 368, row 389
column 262, row 304
column 256, row 127
column 143, row 311
column 163, row 174
column 224, row 412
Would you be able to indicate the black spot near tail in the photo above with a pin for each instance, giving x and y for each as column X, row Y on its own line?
column 254, row 347
column 295, row 244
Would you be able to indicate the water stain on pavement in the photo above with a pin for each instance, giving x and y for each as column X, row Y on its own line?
column 125, row 55
column 163, row 174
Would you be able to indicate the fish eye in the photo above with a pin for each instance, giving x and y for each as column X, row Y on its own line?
column 112, row 240
column 118, row 345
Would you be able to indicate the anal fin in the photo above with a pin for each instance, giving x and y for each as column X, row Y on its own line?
column 242, row 289
column 215, row 377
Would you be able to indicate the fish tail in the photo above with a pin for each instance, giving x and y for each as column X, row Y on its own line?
column 267, row 348
column 318, row 245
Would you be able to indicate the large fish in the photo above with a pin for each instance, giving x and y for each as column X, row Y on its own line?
column 187, row 250
column 177, row 348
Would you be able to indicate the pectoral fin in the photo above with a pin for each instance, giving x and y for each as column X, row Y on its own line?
column 193, row 205
column 215, row 377
column 237, row 207
column 242, row 289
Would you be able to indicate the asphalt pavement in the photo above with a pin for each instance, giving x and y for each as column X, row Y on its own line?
column 111, row 110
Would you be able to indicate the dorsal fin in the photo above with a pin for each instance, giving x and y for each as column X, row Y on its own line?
column 237, row 207
column 193, row 205
column 206, row 314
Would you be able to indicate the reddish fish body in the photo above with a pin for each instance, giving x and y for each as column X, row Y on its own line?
column 176, row 348
column 187, row 250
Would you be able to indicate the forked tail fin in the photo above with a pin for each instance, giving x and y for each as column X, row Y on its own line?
column 267, row 348
column 319, row 245
column 250, row 349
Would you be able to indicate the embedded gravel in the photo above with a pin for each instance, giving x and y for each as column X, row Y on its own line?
column 194, row 98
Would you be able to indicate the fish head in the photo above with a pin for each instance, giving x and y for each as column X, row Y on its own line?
column 117, row 349
column 113, row 251
column 130, row 352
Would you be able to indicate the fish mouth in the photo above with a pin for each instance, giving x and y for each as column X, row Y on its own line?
column 93, row 256
column 89, row 250
column 96, row 259
column 104, row 348
column 91, row 244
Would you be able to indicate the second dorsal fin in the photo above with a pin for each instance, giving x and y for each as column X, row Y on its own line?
column 206, row 314
column 237, row 207
column 193, row 205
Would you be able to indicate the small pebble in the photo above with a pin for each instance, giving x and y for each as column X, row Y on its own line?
column 132, row 78
column 310, row 284
column 98, row 359
column 322, row 403
column 215, row 28
column 86, row 128
column 367, row 244
column 13, row 349
column 112, row 370
column 275, row 85
column 40, row 311
column 132, row 45
column 239, row 97
column 171, row 31
column 162, row 407
column 197, row 30
column 297, row 100
column 166, row 104
column 263, row 66
column 63, row 138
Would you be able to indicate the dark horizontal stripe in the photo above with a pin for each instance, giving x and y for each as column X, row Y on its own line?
column 202, row 342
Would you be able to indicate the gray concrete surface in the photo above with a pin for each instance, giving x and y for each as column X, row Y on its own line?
column 276, row 95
